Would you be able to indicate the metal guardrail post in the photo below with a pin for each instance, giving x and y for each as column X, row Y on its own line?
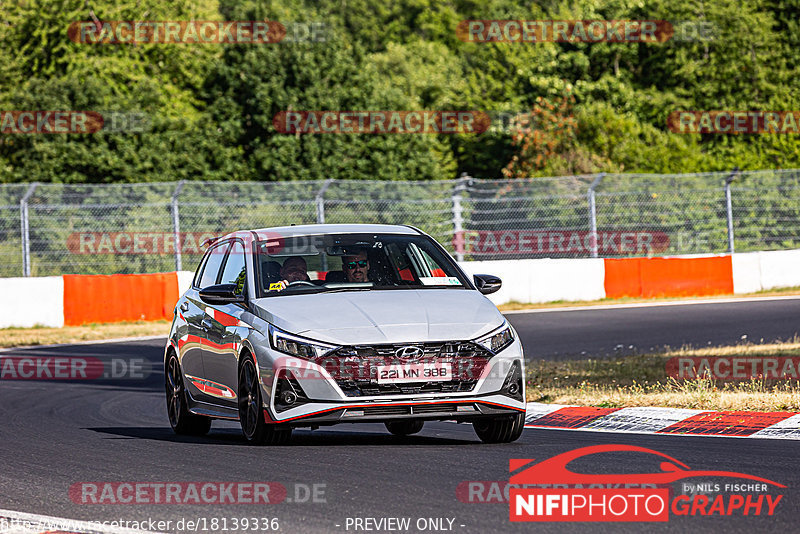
column 320, row 201
column 729, row 206
column 593, row 213
column 176, row 226
column 25, row 230
column 458, row 218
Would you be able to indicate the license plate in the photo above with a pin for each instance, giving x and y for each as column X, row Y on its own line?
column 414, row 372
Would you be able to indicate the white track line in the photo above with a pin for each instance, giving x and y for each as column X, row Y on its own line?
column 653, row 304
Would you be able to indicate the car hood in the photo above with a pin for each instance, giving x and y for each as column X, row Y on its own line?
column 383, row 316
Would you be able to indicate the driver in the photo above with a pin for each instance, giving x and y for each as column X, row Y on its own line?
column 356, row 266
column 294, row 270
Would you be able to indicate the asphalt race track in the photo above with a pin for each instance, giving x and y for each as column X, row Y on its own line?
column 625, row 330
column 56, row 434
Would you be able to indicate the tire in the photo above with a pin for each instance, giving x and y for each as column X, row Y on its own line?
column 182, row 421
column 404, row 428
column 251, row 415
column 503, row 430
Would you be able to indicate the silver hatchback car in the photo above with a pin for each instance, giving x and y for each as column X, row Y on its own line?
column 303, row 326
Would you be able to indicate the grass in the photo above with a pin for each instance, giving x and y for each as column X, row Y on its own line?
column 40, row 335
column 641, row 380
column 516, row 306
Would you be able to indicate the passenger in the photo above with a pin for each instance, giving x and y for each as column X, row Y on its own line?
column 356, row 267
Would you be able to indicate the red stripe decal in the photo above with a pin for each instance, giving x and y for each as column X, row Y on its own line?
column 224, row 319
column 268, row 418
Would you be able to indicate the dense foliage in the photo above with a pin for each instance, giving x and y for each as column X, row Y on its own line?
column 581, row 107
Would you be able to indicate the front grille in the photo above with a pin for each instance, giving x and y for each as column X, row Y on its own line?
column 355, row 368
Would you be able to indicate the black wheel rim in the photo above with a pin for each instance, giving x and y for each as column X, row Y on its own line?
column 249, row 398
column 174, row 385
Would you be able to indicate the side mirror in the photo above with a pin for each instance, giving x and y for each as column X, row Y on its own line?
column 487, row 283
column 221, row 294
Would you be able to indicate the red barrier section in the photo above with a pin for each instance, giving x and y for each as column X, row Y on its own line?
column 119, row 297
column 623, row 278
column 679, row 277
column 668, row 277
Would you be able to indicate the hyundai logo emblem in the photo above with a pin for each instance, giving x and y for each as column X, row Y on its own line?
column 409, row 353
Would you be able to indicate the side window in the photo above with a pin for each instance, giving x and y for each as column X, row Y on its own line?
column 234, row 271
column 214, row 262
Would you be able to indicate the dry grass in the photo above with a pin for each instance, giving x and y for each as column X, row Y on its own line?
column 16, row 337
column 641, row 380
column 516, row 306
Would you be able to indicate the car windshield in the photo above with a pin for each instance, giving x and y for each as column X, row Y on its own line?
column 353, row 262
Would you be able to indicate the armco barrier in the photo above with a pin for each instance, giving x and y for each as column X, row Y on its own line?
column 78, row 299
column 119, row 297
column 32, row 301
column 746, row 272
column 543, row 280
column 759, row 271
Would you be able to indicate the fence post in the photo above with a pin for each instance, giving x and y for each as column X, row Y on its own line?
column 320, row 200
column 25, row 229
column 593, row 213
column 176, row 226
column 729, row 206
column 458, row 218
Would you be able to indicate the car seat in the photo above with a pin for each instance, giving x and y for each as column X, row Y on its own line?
column 335, row 277
column 270, row 273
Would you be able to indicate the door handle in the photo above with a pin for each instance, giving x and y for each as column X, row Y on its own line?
column 185, row 307
column 206, row 324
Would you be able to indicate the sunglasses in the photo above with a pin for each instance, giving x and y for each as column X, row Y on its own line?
column 352, row 264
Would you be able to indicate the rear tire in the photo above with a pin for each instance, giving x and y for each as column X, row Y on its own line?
column 503, row 430
column 404, row 428
column 251, row 412
column 181, row 420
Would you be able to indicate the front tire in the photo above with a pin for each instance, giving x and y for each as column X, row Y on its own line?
column 251, row 413
column 181, row 420
column 503, row 430
column 404, row 428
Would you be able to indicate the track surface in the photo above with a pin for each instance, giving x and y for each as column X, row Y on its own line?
column 613, row 331
column 56, row 434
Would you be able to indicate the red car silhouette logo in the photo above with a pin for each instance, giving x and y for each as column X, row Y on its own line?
column 554, row 470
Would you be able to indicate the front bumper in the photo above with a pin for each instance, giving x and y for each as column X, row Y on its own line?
column 461, row 410
column 323, row 402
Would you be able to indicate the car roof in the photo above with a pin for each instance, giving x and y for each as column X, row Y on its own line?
column 316, row 229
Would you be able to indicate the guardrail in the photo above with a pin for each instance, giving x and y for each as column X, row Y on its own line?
column 52, row 229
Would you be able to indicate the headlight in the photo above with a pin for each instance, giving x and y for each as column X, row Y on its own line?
column 296, row 345
column 497, row 340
